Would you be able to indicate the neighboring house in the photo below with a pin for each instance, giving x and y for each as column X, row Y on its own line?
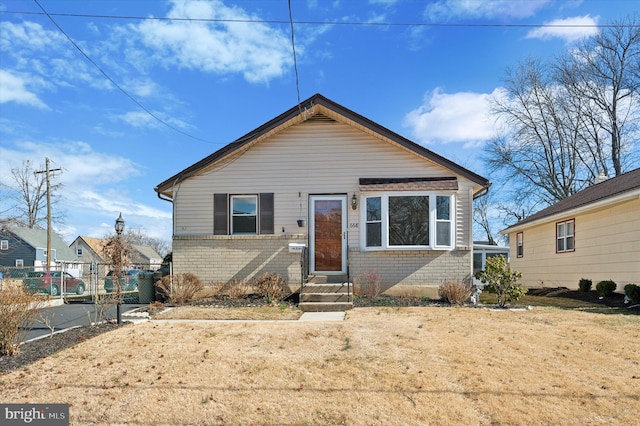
column 361, row 197
column 145, row 258
column 27, row 247
column 89, row 250
column 593, row 234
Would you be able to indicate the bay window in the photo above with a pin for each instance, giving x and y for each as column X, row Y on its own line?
column 404, row 220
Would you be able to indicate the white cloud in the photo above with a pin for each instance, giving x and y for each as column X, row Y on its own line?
column 256, row 51
column 458, row 117
column 12, row 89
column 568, row 29
column 472, row 9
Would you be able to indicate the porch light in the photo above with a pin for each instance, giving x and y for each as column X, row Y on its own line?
column 354, row 202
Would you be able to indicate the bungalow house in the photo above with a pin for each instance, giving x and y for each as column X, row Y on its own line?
column 593, row 234
column 22, row 247
column 358, row 196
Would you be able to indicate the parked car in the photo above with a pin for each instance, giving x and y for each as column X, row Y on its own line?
column 50, row 282
column 128, row 281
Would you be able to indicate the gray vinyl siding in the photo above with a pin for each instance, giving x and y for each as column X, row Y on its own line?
column 309, row 158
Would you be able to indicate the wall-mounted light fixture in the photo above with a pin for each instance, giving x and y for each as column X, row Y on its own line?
column 354, row 202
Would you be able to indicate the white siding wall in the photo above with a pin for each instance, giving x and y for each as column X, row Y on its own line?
column 311, row 158
column 607, row 246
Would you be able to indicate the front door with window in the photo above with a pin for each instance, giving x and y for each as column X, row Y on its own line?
column 328, row 234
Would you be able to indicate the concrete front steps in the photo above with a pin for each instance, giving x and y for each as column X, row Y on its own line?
column 326, row 294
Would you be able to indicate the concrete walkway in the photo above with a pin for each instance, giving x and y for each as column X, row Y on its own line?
column 322, row 316
column 138, row 317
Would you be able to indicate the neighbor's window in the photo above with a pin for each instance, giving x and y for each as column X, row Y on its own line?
column 519, row 245
column 244, row 214
column 565, row 236
column 409, row 220
column 4, row 244
column 79, row 252
column 19, row 263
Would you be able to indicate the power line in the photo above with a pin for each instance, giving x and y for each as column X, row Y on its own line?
column 336, row 23
column 160, row 120
column 295, row 62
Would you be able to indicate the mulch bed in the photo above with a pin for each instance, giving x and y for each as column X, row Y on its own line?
column 41, row 348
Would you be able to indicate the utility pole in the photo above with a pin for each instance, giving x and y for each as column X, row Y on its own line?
column 47, row 171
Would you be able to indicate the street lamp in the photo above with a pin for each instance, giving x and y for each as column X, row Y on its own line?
column 119, row 227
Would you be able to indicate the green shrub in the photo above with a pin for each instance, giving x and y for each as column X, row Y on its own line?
column 632, row 291
column 585, row 285
column 499, row 279
column 606, row 288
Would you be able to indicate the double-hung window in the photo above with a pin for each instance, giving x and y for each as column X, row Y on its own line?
column 565, row 237
column 244, row 214
column 519, row 244
column 406, row 220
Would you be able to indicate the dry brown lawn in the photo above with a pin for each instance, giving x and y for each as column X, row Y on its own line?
column 382, row 366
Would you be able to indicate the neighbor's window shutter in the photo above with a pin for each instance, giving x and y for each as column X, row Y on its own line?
column 266, row 213
column 220, row 214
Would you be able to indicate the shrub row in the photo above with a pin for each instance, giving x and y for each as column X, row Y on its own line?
column 607, row 287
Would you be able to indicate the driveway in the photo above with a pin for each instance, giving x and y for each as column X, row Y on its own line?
column 70, row 315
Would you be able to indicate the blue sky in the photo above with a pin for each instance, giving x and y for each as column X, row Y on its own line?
column 185, row 88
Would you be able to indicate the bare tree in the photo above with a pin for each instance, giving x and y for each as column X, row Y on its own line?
column 481, row 217
column 29, row 194
column 604, row 73
column 538, row 154
column 135, row 236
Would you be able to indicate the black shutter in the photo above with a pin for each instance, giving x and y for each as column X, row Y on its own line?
column 266, row 213
column 220, row 214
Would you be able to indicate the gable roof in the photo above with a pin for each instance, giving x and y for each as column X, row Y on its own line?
column 609, row 189
column 95, row 244
column 316, row 105
column 147, row 252
column 37, row 238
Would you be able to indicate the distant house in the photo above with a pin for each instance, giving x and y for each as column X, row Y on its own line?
column 22, row 247
column 145, row 258
column 360, row 197
column 593, row 234
column 90, row 250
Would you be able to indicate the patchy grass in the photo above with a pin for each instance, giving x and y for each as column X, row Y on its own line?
column 281, row 312
column 391, row 366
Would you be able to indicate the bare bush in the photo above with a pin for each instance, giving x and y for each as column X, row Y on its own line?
column 370, row 284
column 271, row 286
column 180, row 289
column 18, row 311
column 235, row 289
column 455, row 292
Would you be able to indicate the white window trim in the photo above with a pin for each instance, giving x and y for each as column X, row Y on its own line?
column 566, row 236
column 19, row 263
column 4, row 244
column 384, row 202
column 232, row 216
